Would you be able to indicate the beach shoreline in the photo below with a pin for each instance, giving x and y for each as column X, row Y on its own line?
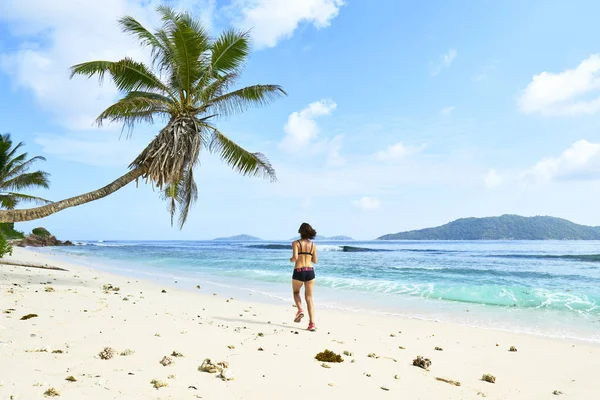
column 77, row 317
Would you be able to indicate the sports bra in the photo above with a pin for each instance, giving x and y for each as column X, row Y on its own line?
column 305, row 252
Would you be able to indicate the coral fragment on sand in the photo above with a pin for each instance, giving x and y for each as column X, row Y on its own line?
column 166, row 361
column 557, row 393
column 421, row 362
column 348, row 353
column 71, row 379
column 28, row 316
column 325, row 365
column 158, row 384
column 107, row 353
column 329, row 356
column 488, row 378
column 512, row 348
column 49, row 289
column 176, row 354
column 450, row 381
column 51, row 393
column 438, row 348
column 372, row 355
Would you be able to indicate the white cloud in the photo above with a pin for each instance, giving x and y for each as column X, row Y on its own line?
column 445, row 61
column 397, row 152
column 447, row 110
column 334, row 158
column 493, row 179
column 578, row 162
column 103, row 149
column 367, row 203
column 301, row 128
column 60, row 33
column 563, row 93
column 273, row 20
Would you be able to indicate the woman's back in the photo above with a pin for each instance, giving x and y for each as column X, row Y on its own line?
column 305, row 250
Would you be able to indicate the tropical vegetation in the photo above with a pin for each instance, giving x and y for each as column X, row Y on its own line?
column 188, row 85
column 15, row 176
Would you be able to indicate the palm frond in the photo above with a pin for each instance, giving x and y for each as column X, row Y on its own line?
column 128, row 75
column 16, row 168
column 160, row 49
column 137, row 107
column 208, row 88
column 239, row 100
column 190, row 41
column 27, row 180
column 188, row 196
column 241, row 160
column 230, row 52
column 16, row 198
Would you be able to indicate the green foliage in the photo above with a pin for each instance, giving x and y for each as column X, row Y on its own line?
column 42, row 232
column 189, row 84
column 505, row 227
column 5, row 247
column 8, row 231
column 14, row 175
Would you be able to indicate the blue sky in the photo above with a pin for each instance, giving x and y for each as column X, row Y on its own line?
column 400, row 115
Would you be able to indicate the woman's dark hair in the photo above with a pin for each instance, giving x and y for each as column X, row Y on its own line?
column 306, row 231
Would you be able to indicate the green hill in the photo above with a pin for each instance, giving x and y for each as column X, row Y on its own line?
column 505, row 227
column 239, row 238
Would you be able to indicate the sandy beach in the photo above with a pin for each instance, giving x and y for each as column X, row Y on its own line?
column 268, row 355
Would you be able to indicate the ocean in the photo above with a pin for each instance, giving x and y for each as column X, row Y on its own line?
column 549, row 288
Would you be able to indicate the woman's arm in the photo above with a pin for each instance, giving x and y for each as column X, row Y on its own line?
column 315, row 259
column 294, row 252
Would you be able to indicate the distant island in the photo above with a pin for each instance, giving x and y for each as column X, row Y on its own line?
column 319, row 237
column 239, row 238
column 505, row 227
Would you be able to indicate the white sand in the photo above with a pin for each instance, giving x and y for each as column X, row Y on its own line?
column 80, row 319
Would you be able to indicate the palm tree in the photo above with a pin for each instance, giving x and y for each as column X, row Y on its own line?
column 189, row 86
column 15, row 178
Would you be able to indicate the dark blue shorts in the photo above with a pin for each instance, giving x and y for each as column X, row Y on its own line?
column 304, row 274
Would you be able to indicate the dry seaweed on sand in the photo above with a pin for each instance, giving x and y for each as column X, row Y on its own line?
column 71, row 379
column 329, row 356
column 450, row 381
column 28, row 316
column 49, row 289
column 166, row 361
column 51, row 393
column 421, row 362
column 57, row 352
column 208, row 366
column 488, row 378
column 109, row 287
column 127, row 352
column 438, row 348
column 512, row 348
column 557, row 393
column 107, row 353
column 176, row 354
column 158, row 384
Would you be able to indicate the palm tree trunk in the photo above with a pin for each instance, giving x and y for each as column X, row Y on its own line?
column 43, row 211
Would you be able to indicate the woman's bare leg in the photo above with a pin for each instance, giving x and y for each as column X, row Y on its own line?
column 296, row 286
column 308, row 291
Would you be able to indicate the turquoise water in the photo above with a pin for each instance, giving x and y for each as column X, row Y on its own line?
column 549, row 287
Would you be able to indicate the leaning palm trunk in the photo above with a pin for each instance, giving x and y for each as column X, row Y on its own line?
column 44, row 211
